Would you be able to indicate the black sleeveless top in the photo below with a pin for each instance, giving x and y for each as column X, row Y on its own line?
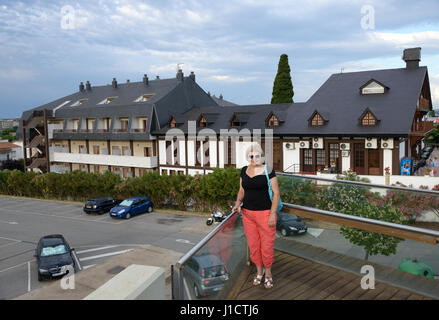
column 256, row 195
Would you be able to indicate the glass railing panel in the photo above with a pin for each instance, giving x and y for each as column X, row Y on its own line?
column 402, row 206
column 211, row 272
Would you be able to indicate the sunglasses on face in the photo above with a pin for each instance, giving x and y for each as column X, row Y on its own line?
column 256, row 156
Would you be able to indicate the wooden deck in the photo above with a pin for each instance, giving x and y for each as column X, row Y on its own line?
column 296, row 278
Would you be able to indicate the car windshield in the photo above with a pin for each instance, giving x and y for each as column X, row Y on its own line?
column 90, row 202
column 289, row 217
column 215, row 271
column 52, row 251
column 126, row 203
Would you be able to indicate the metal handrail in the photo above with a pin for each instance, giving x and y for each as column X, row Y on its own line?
column 365, row 184
column 202, row 242
column 408, row 230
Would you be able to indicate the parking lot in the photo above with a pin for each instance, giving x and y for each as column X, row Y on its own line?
column 95, row 237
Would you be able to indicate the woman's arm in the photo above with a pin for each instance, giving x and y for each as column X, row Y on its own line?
column 274, row 203
column 239, row 197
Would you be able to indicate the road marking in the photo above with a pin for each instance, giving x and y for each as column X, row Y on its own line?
column 8, row 222
column 9, row 244
column 184, row 241
column 28, row 276
column 18, row 265
column 105, row 255
column 315, row 232
column 89, row 266
column 95, row 249
column 10, row 239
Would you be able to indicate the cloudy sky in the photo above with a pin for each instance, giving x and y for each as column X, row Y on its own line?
column 48, row 47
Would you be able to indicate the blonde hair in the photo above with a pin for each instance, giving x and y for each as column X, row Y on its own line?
column 256, row 147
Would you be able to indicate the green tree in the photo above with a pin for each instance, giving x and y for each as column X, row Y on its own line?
column 283, row 87
column 433, row 135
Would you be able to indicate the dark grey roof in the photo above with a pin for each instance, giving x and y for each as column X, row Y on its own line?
column 222, row 102
column 339, row 102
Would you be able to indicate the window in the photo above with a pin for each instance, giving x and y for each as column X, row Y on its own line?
column 172, row 123
column 168, row 152
column 373, row 88
column 317, row 120
column 126, row 151
column 273, row 121
column 79, row 102
column 107, row 100
column 368, row 119
column 320, row 153
column 333, row 153
column 82, row 149
column 95, row 149
column 307, row 156
column 203, row 122
column 115, row 150
column 144, row 97
column 147, row 151
column 198, row 153
column 235, row 121
column 123, row 124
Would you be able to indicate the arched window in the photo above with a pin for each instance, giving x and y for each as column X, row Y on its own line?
column 172, row 123
column 202, row 122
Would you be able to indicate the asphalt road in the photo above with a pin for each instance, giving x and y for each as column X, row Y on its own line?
column 95, row 237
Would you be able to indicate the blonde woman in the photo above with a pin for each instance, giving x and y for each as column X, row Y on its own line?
column 258, row 212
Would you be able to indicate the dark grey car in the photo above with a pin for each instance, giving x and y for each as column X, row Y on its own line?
column 206, row 274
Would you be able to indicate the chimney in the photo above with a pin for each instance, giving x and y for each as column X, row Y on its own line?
column 128, row 80
column 157, row 78
column 192, row 76
column 412, row 56
column 114, row 83
column 180, row 75
column 81, row 87
column 145, row 80
column 88, row 85
column 221, row 96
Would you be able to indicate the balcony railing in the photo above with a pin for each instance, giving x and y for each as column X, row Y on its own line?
column 311, row 198
column 422, row 127
column 105, row 160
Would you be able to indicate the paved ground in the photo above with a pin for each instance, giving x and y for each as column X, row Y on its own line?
column 95, row 238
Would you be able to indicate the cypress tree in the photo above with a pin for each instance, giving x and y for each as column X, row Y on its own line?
column 283, row 87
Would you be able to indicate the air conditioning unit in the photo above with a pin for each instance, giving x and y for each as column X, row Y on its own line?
column 290, row 146
column 387, row 143
column 345, row 146
column 317, row 143
column 304, row 144
column 371, row 143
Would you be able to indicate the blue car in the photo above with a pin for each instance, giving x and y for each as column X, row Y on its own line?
column 131, row 207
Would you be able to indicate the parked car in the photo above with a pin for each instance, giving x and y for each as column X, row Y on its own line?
column 131, row 207
column 53, row 255
column 290, row 224
column 206, row 274
column 100, row 205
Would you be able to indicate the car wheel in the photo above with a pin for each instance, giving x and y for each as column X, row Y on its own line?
column 197, row 292
column 284, row 232
column 128, row 216
column 150, row 209
column 40, row 277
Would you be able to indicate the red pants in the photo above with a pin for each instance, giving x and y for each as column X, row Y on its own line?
column 260, row 236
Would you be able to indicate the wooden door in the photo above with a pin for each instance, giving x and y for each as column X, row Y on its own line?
column 307, row 160
column 359, row 163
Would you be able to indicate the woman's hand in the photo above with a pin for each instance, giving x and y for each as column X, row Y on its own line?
column 272, row 219
column 237, row 207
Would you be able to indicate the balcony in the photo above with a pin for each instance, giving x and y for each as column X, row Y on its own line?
column 424, row 104
column 320, row 265
column 421, row 128
column 105, row 160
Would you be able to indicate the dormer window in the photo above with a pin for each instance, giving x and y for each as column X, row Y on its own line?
column 317, row 120
column 79, row 102
column 202, row 122
column 373, row 87
column 235, row 121
column 273, row 121
column 368, row 119
column 144, row 97
column 172, row 122
column 107, row 100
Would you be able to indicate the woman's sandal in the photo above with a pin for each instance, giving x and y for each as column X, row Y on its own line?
column 258, row 279
column 268, row 283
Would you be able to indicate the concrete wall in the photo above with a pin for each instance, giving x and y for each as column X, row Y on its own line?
column 136, row 282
